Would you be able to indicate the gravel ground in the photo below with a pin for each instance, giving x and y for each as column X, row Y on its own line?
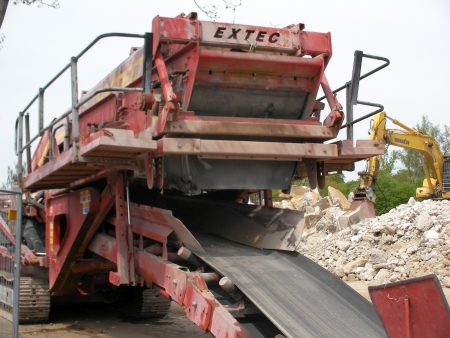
column 99, row 320
column 103, row 321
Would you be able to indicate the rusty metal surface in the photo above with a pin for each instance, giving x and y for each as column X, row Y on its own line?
column 155, row 216
column 366, row 207
column 58, row 173
column 68, row 220
column 117, row 143
column 261, row 227
column 250, row 150
column 250, row 127
column 184, row 288
column 298, row 296
column 415, row 307
column 363, row 149
column 190, row 174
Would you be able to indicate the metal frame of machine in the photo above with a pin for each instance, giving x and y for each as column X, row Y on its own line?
column 201, row 107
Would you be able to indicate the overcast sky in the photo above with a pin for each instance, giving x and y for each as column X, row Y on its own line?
column 414, row 35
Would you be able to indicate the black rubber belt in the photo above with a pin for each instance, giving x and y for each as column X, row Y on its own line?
column 300, row 298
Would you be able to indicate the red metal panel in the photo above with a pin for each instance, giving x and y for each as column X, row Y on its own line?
column 223, row 324
column 106, row 203
column 105, row 246
column 275, row 151
column 196, row 306
column 41, row 150
column 68, row 219
column 148, row 221
column 175, row 30
column 259, row 63
column 413, row 308
column 316, row 43
column 175, row 282
column 310, row 128
column 124, row 75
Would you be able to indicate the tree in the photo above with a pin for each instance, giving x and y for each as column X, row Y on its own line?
column 393, row 187
column 12, row 176
column 4, row 5
column 411, row 160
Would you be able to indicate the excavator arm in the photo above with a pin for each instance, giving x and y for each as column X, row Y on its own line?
column 407, row 138
column 364, row 193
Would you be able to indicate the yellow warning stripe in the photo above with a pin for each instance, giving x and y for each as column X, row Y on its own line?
column 47, row 145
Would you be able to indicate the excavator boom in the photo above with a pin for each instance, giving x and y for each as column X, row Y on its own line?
column 412, row 139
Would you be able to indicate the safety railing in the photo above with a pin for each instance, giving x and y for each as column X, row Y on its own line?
column 352, row 91
column 73, row 112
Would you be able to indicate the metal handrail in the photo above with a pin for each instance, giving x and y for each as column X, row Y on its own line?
column 365, row 75
column 107, row 35
column 352, row 87
column 75, row 104
column 67, row 113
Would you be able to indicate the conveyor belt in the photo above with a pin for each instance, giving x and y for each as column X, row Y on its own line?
column 298, row 296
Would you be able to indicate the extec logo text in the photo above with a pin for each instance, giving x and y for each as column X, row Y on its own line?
column 233, row 33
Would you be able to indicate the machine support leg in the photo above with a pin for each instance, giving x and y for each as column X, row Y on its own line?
column 122, row 275
column 130, row 239
column 268, row 198
column 311, row 170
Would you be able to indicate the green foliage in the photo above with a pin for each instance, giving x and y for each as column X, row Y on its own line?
column 393, row 190
column 337, row 181
column 411, row 160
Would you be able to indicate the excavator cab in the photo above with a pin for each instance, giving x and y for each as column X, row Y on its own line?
column 446, row 175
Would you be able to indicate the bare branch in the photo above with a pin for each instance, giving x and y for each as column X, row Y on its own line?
column 212, row 11
column 232, row 6
column 53, row 4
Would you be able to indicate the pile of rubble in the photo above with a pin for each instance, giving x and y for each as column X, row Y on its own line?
column 409, row 241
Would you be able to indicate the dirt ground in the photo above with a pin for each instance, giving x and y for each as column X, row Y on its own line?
column 102, row 321
column 106, row 322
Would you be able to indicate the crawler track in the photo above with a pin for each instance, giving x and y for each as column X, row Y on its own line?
column 144, row 303
column 34, row 299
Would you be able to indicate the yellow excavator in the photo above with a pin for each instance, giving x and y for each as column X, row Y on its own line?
column 436, row 184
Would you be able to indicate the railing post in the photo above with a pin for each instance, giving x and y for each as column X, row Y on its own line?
column 41, row 110
column 27, row 139
column 16, row 135
column 20, row 150
column 349, row 112
column 17, row 253
column 66, row 134
column 147, row 63
column 75, row 126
